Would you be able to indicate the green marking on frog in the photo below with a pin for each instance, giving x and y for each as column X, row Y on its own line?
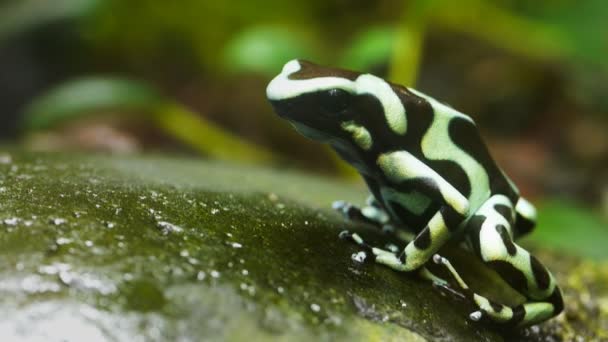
column 360, row 135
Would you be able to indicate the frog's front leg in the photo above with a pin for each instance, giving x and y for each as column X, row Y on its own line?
column 438, row 230
column 402, row 166
column 372, row 213
column 490, row 234
column 392, row 258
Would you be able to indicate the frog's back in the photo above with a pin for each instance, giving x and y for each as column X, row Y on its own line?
column 452, row 146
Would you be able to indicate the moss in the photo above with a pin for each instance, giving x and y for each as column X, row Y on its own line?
column 179, row 249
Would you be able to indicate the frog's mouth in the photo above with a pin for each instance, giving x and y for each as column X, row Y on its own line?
column 311, row 133
column 303, row 120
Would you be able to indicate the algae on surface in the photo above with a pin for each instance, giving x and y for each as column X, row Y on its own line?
column 152, row 248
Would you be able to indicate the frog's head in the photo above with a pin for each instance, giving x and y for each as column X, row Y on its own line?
column 315, row 99
column 353, row 112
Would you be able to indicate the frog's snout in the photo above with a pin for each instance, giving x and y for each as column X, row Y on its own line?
column 282, row 108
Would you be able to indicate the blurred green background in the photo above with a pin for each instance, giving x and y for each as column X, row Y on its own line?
column 189, row 78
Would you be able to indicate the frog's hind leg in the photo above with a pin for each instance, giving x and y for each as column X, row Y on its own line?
column 491, row 237
column 521, row 315
column 525, row 219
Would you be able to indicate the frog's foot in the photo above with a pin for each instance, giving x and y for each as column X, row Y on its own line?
column 354, row 237
column 520, row 315
column 437, row 282
column 371, row 253
column 370, row 214
column 492, row 310
column 445, row 286
column 448, row 289
column 438, row 259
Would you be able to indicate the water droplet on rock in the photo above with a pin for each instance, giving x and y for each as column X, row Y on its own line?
column 5, row 158
column 11, row 221
column 58, row 221
column 168, row 228
column 63, row 241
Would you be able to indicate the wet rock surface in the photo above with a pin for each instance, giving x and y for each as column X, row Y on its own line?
column 153, row 248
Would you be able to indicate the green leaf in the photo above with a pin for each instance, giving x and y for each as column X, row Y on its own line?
column 568, row 32
column 582, row 25
column 567, row 226
column 409, row 36
column 203, row 135
column 371, row 47
column 84, row 97
column 263, row 50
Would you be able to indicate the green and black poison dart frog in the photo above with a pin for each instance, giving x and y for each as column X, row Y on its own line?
column 428, row 171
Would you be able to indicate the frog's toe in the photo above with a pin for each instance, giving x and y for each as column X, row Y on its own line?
column 439, row 260
column 347, row 210
column 476, row 315
column 446, row 288
column 441, row 284
column 388, row 229
column 340, row 205
column 359, row 257
column 345, row 235
column 354, row 237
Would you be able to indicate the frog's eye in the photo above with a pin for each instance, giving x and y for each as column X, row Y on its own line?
column 334, row 101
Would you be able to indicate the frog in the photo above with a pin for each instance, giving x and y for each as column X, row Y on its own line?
column 430, row 174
